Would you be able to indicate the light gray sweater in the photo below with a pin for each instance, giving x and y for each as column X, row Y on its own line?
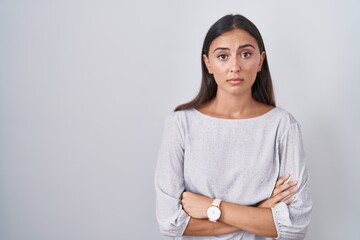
column 236, row 160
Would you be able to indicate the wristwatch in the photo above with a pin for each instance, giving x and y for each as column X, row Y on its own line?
column 214, row 212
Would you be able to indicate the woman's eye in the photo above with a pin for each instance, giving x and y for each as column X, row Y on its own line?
column 245, row 55
column 222, row 57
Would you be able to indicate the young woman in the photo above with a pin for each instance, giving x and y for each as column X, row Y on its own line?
column 231, row 164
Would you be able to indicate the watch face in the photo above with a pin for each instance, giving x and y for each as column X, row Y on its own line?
column 213, row 213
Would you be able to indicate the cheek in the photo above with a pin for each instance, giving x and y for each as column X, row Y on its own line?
column 219, row 68
column 217, row 65
column 251, row 67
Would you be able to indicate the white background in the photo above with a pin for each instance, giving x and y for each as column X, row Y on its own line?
column 85, row 87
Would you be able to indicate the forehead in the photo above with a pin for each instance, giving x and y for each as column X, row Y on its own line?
column 234, row 39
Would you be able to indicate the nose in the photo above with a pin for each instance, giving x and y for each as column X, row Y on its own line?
column 235, row 66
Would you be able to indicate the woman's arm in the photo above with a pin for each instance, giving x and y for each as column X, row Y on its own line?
column 259, row 220
column 292, row 221
column 236, row 217
column 203, row 227
column 251, row 219
column 169, row 180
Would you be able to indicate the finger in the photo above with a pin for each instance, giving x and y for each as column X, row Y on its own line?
column 282, row 179
column 183, row 194
column 290, row 200
column 284, row 187
column 279, row 182
column 284, row 194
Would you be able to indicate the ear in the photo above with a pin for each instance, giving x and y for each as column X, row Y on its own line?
column 262, row 58
column 207, row 63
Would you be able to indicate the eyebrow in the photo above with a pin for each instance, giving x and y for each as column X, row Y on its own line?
column 242, row 46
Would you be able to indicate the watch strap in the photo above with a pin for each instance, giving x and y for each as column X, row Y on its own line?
column 216, row 203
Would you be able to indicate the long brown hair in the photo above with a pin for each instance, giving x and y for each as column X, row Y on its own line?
column 262, row 89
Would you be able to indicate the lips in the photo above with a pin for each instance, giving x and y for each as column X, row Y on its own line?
column 235, row 81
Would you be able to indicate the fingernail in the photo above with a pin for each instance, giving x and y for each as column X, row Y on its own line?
column 294, row 200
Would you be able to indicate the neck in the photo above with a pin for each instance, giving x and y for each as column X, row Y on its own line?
column 234, row 106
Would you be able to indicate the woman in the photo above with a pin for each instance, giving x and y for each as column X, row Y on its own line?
column 223, row 154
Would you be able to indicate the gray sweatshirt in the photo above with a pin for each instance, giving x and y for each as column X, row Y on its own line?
column 236, row 160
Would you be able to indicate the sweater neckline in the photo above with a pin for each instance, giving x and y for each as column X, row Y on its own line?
column 235, row 119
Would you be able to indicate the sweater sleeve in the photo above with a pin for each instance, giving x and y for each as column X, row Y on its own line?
column 169, row 180
column 292, row 220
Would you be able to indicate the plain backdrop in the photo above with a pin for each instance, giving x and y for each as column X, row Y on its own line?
column 85, row 87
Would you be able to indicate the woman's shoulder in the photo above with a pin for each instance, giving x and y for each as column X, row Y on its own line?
column 285, row 115
column 182, row 113
column 286, row 122
column 180, row 116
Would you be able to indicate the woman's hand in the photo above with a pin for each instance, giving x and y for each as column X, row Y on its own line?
column 282, row 190
column 195, row 205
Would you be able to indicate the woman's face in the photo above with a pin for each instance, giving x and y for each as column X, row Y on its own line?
column 234, row 59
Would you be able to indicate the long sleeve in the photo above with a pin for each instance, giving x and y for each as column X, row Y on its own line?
column 169, row 180
column 292, row 220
